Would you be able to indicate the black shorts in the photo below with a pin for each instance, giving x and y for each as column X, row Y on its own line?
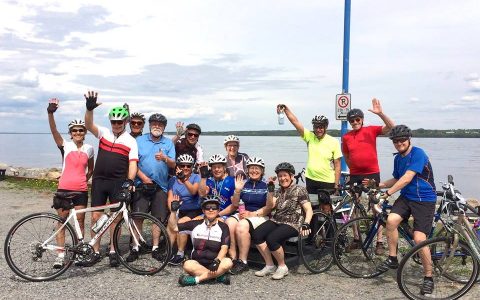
column 155, row 203
column 103, row 189
column 360, row 178
column 422, row 213
column 77, row 200
column 313, row 186
column 189, row 213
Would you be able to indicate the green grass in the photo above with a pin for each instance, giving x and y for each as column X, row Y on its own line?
column 31, row 183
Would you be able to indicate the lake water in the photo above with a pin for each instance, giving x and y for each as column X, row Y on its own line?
column 459, row 157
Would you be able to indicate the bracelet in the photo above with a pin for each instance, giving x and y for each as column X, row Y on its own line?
column 387, row 193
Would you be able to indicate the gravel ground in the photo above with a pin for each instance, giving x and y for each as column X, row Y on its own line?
column 101, row 281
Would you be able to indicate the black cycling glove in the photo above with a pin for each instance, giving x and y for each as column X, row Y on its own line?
column 52, row 107
column 127, row 184
column 213, row 266
column 91, row 102
column 271, row 187
column 306, row 226
column 181, row 175
column 175, row 205
column 204, row 171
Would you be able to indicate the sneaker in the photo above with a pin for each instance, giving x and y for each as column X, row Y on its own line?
column 427, row 287
column 386, row 265
column 96, row 257
column 59, row 262
column 158, row 255
column 113, row 258
column 379, row 249
column 355, row 244
column 280, row 273
column 224, row 278
column 132, row 256
column 186, row 280
column 176, row 260
column 239, row 267
column 267, row 270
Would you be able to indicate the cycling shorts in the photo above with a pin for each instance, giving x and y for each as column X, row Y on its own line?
column 103, row 189
column 77, row 200
column 422, row 213
column 155, row 203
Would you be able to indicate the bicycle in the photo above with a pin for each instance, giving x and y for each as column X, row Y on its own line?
column 454, row 259
column 354, row 243
column 31, row 244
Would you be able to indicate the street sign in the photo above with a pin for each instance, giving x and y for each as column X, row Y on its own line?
column 343, row 105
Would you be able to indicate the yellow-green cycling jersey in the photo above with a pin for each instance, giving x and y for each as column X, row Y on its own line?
column 321, row 153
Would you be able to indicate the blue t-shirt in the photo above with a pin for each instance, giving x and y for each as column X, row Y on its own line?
column 223, row 188
column 422, row 186
column 254, row 195
column 156, row 170
column 189, row 201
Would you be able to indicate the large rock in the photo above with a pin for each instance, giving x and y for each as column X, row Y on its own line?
column 53, row 175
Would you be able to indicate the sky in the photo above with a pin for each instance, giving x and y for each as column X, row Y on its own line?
column 226, row 64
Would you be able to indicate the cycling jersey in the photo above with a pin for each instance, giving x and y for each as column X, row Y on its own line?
column 237, row 166
column 206, row 241
column 254, row 195
column 321, row 153
column 74, row 166
column 361, row 148
column 422, row 185
column 189, row 201
column 114, row 154
column 223, row 188
column 183, row 147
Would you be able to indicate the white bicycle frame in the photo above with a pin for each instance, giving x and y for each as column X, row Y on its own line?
column 73, row 215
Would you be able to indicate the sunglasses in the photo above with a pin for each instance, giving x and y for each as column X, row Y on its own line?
column 193, row 134
column 210, row 207
column 319, row 126
column 136, row 123
column 399, row 140
column 116, row 122
column 77, row 130
column 357, row 120
column 184, row 166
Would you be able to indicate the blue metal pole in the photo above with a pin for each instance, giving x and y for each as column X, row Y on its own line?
column 346, row 56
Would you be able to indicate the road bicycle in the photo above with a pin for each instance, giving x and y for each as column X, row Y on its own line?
column 34, row 243
column 454, row 259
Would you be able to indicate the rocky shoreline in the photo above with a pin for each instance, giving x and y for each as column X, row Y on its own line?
column 36, row 173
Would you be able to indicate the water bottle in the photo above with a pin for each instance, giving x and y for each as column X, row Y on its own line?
column 281, row 118
column 100, row 222
column 241, row 206
column 476, row 228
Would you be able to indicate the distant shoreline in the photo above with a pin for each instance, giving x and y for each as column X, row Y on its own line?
column 417, row 133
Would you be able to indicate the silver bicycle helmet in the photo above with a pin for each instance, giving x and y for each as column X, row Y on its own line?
column 217, row 159
column 231, row 138
column 255, row 161
column 210, row 199
column 185, row 159
column 320, row 121
column 76, row 122
column 136, row 115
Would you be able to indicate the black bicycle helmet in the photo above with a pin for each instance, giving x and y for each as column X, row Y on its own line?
column 194, row 127
column 158, row 118
column 320, row 121
column 400, row 131
column 210, row 199
column 136, row 115
column 285, row 166
column 354, row 113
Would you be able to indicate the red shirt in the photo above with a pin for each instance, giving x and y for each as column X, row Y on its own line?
column 361, row 148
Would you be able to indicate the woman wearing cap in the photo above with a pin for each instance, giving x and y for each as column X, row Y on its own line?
column 236, row 161
column 210, row 240
column 253, row 193
column 292, row 213
column 185, row 187
column 77, row 168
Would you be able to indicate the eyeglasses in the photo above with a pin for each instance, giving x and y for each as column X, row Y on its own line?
column 136, row 123
column 193, row 134
column 77, row 130
column 184, row 166
column 356, row 120
column 399, row 140
column 232, row 145
column 210, row 207
column 319, row 126
column 116, row 122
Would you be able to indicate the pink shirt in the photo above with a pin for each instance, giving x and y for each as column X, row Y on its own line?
column 75, row 164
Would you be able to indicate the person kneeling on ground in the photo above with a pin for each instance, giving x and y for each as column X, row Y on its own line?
column 210, row 240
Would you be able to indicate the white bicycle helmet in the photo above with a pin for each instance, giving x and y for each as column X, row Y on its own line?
column 255, row 161
column 76, row 122
column 217, row 159
column 185, row 159
column 231, row 138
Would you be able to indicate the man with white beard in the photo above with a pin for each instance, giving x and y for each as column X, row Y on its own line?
column 156, row 153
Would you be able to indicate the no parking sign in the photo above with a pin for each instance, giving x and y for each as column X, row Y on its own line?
column 343, row 105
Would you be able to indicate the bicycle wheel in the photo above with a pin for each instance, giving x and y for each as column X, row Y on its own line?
column 25, row 254
column 148, row 231
column 315, row 251
column 453, row 276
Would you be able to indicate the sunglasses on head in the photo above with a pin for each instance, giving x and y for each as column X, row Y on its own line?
column 400, row 140
column 210, row 207
column 357, row 120
column 116, row 122
column 81, row 130
column 184, row 166
column 193, row 134
column 136, row 123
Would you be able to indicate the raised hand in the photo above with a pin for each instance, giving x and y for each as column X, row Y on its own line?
column 376, row 106
column 239, row 182
column 52, row 105
column 180, row 129
column 91, row 100
column 281, row 107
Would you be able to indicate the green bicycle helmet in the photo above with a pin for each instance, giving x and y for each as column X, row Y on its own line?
column 118, row 114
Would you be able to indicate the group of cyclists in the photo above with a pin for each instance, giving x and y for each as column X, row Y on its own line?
column 227, row 202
